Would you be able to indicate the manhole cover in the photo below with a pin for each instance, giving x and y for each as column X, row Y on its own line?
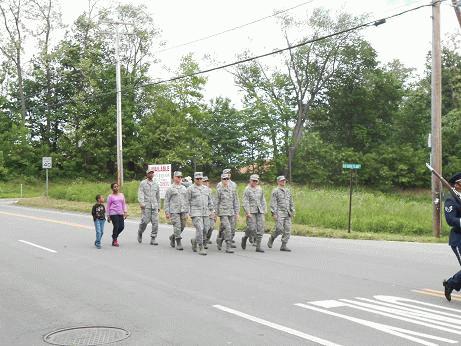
column 86, row 336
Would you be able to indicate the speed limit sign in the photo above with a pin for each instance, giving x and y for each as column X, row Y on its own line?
column 46, row 162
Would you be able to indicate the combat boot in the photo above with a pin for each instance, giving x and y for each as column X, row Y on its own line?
column 202, row 250
column 139, row 237
column 258, row 246
column 153, row 241
column 178, row 244
column 284, row 247
column 270, row 242
column 448, row 290
column 219, row 243
column 194, row 244
column 244, row 242
column 208, row 236
column 229, row 247
column 172, row 240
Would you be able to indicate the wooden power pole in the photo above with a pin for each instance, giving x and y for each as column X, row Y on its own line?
column 436, row 118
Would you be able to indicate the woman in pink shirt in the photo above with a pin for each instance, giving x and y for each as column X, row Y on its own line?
column 117, row 212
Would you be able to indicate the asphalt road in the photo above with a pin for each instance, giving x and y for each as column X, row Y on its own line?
column 327, row 291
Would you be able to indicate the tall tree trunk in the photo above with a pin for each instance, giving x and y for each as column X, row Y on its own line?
column 22, row 98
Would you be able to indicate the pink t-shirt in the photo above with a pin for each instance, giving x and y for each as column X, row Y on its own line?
column 116, row 204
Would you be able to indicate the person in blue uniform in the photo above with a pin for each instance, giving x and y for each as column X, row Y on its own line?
column 453, row 218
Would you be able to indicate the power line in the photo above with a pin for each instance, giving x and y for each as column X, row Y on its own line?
column 232, row 29
column 375, row 22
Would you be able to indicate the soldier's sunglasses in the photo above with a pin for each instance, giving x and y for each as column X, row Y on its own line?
column 225, row 179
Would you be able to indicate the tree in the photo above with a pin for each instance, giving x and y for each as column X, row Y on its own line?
column 12, row 42
column 308, row 71
column 222, row 128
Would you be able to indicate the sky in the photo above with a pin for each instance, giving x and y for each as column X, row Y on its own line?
column 407, row 38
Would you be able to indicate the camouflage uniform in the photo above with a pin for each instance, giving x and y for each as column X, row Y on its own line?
column 212, row 218
column 227, row 207
column 254, row 203
column 283, row 209
column 233, row 218
column 176, row 206
column 149, row 197
column 200, row 207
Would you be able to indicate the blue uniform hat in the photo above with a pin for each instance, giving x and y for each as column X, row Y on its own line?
column 455, row 178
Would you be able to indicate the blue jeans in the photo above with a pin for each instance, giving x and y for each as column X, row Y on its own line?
column 99, row 226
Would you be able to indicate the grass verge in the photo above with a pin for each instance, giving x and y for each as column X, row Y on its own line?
column 297, row 229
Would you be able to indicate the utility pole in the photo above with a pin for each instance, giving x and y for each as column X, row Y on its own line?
column 456, row 6
column 118, row 102
column 436, row 118
column 119, row 108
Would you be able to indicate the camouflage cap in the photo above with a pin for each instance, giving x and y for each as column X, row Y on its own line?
column 224, row 176
column 281, row 177
column 198, row 175
column 150, row 169
column 254, row 177
column 205, row 178
column 226, row 171
column 177, row 174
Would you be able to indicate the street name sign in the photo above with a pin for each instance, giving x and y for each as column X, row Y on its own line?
column 352, row 166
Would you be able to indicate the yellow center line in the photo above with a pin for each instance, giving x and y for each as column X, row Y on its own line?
column 441, row 294
column 36, row 218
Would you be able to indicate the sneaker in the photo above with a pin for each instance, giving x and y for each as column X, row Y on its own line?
column 153, row 241
column 115, row 243
column 98, row 246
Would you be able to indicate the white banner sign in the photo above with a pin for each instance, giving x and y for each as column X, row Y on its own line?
column 46, row 162
column 163, row 177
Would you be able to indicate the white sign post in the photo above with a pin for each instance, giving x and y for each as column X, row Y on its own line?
column 46, row 164
column 162, row 176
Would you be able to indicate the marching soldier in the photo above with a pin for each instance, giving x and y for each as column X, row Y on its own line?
column 149, row 202
column 232, row 184
column 453, row 218
column 233, row 219
column 254, row 205
column 453, row 215
column 176, row 209
column 227, row 208
column 209, row 233
column 187, row 181
column 200, row 207
column 282, row 209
